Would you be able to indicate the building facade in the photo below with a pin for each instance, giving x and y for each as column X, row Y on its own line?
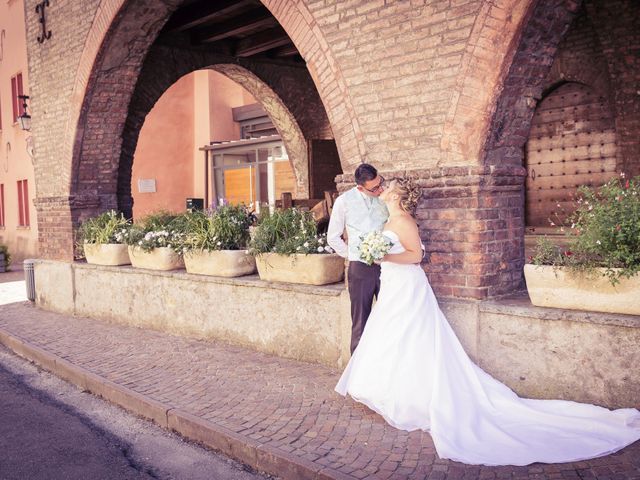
column 18, row 219
column 468, row 96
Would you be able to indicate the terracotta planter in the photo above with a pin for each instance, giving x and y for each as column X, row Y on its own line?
column 161, row 258
column 559, row 288
column 106, row 254
column 220, row 263
column 313, row 269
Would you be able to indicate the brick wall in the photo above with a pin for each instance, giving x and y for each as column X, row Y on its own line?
column 617, row 24
column 471, row 222
column 52, row 66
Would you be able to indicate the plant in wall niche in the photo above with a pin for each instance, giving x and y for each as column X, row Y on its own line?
column 103, row 238
column 603, row 246
column 288, row 248
column 215, row 242
column 5, row 258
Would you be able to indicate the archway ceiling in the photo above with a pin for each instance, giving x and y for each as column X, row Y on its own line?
column 240, row 28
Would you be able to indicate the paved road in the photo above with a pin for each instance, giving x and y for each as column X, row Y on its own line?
column 51, row 430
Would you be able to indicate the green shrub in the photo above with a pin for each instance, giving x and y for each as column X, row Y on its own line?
column 4, row 250
column 160, row 229
column 108, row 227
column 226, row 228
column 603, row 231
column 288, row 232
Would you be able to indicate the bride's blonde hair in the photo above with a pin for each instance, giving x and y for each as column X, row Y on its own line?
column 409, row 192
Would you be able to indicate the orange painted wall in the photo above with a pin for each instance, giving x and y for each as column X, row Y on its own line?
column 165, row 151
column 191, row 113
column 15, row 161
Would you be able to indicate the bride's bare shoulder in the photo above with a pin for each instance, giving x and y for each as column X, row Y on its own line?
column 407, row 224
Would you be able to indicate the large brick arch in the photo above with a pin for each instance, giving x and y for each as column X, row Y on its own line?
column 100, row 125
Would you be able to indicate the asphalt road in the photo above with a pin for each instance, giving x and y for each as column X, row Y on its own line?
column 49, row 429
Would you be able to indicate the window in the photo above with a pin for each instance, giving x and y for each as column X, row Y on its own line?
column 23, row 203
column 252, row 174
column 16, row 91
column 1, row 204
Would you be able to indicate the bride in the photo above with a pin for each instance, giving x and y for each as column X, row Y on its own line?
column 410, row 368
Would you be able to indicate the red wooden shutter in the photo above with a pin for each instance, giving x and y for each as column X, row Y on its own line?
column 25, row 201
column 14, row 98
column 20, row 210
column 2, row 205
column 20, row 92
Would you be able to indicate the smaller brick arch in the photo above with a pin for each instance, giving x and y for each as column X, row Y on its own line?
column 163, row 67
column 280, row 115
column 545, row 26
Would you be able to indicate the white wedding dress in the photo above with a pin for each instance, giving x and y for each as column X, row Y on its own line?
column 411, row 368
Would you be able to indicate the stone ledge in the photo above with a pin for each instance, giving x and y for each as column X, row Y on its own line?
column 332, row 290
column 520, row 306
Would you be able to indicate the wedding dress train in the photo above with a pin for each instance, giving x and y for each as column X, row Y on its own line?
column 411, row 368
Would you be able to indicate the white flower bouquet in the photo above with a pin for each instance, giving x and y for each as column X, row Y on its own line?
column 373, row 247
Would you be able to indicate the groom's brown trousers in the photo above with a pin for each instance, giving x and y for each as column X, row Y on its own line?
column 364, row 284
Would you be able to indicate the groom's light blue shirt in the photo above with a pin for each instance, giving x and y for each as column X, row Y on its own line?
column 359, row 214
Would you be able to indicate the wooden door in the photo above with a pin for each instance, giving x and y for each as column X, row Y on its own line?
column 572, row 142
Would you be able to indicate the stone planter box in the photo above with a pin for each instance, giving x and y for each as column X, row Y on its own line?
column 161, row 258
column 106, row 254
column 558, row 288
column 220, row 263
column 312, row 269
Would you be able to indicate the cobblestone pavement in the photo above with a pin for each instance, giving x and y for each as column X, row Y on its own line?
column 261, row 399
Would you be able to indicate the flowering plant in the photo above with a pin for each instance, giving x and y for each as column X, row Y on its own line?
column 108, row 227
column 288, row 232
column 226, row 228
column 373, row 247
column 603, row 232
column 161, row 229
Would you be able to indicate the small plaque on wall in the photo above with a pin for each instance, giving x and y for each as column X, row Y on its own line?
column 146, row 185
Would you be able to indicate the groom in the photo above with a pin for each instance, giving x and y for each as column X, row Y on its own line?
column 360, row 211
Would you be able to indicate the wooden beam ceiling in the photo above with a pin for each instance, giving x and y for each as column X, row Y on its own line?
column 203, row 12
column 248, row 22
column 262, row 42
column 242, row 28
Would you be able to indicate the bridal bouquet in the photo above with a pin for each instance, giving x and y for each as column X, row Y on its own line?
column 373, row 247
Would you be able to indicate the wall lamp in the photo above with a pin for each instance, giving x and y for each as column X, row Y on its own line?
column 25, row 118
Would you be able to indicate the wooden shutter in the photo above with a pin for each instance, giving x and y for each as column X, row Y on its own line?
column 20, row 205
column 572, row 142
column 14, row 98
column 2, row 205
column 20, row 92
column 25, row 201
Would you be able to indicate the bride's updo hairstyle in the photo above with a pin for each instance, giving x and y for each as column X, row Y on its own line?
column 409, row 192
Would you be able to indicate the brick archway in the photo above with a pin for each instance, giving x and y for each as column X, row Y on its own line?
column 162, row 68
column 99, row 117
column 545, row 25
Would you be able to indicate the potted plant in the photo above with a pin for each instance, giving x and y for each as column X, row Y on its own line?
column 598, row 268
column 155, row 242
column 103, row 239
column 5, row 258
column 288, row 248
column 215, row 243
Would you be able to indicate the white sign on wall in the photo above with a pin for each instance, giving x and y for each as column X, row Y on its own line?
column 146, row 185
